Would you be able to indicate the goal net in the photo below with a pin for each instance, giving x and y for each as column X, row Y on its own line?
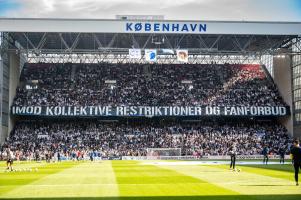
column 158, row 153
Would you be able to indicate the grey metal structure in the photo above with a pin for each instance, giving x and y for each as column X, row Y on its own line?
column 296, row 65
column 95, row 47
column 96, row 40
column 4, row 86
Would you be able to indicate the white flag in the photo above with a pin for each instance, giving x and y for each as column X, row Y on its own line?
column 168, row 51
column 151, row 55
column 182, row 55
column 135, row 53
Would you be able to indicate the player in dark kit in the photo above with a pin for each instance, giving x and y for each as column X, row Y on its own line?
column 233, row 156
column 265, row 153
column 282, row 154
column 296, row 156
column 91, row 154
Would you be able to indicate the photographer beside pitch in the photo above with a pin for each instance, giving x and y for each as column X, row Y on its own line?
column 296, row 156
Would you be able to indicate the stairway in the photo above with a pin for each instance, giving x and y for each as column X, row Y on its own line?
column 146, row 71
column 220, row 74
column 73, row 72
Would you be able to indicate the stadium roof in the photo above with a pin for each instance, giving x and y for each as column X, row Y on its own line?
column 80, row 36
column 122, row 26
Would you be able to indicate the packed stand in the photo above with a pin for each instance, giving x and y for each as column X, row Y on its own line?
column 148, row 85
column 32, row 139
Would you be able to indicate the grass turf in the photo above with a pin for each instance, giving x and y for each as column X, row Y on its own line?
column 139, row 180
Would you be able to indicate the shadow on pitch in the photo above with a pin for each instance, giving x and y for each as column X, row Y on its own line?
column 270, row 185
column 217, row 197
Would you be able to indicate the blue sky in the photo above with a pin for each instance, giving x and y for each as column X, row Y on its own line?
column 6, row 5
column 252, row 10
column 297, row 3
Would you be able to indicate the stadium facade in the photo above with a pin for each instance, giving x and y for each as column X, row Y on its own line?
column 276, row 45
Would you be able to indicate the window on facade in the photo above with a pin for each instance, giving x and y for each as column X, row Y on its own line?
column 298, row 105
column 297, row 70
column 297, row 82
column 297, row 95
column 298, row 117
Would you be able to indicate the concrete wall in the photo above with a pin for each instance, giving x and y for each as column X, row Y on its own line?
column 14, row 75
column 4, row 72
column 297, row 132
column 283, row 78
column 2, row 136
column 4, row 130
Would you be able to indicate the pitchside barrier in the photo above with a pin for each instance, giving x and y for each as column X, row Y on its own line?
column 241, row 157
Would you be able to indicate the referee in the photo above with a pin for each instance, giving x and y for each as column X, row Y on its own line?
column 296, row 156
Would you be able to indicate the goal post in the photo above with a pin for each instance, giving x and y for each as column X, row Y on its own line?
column 162, row 152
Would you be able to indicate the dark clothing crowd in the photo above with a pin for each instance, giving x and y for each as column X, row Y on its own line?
column 116, row 84
column 145, row 85
column 133, row 139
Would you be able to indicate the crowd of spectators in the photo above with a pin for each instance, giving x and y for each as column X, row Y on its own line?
column 31, row 138
column 145, row 85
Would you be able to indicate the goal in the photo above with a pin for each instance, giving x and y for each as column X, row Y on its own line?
column 157, row 153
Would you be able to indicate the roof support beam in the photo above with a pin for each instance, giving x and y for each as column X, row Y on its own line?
column 166, row 39
column 97, row 41
column 216, row 41
column 134, row 42
column 147, row 41
column 202, row 42
column 42, row 41
column 29, row 41
column 111, row 43
column 75, row 42
column 179, row 42
column 248, row 42
column 63, row 41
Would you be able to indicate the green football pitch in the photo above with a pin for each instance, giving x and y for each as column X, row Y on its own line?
column 146, row 180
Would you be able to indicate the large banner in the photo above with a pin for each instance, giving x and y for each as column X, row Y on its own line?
column 149, row 111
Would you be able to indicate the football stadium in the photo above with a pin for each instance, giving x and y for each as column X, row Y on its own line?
column 143, row 108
